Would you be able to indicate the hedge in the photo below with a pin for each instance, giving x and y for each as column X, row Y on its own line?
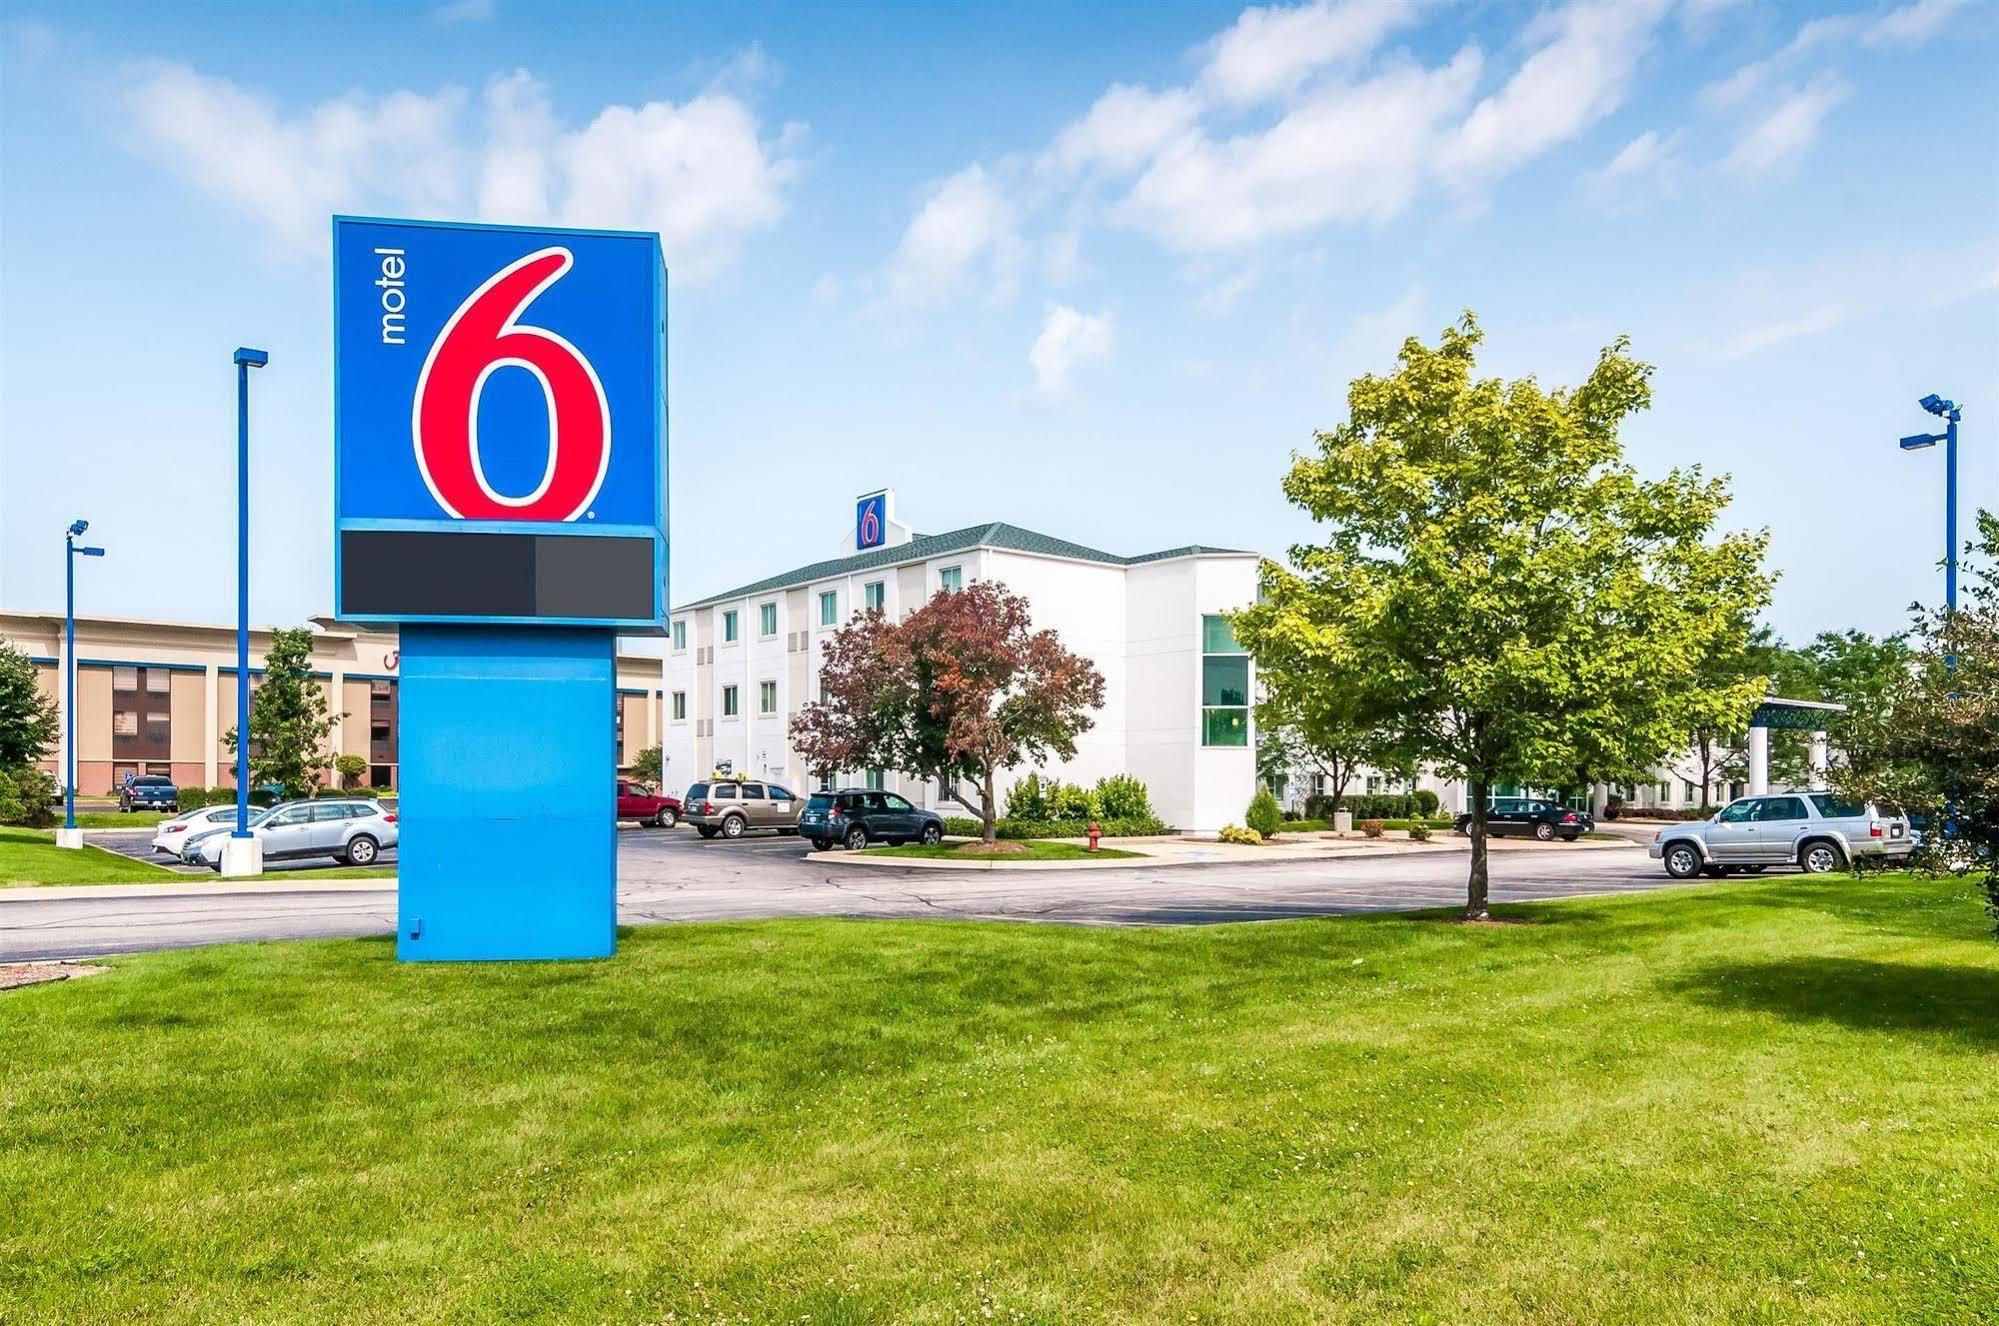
column 1420, row 804
column 964, row 827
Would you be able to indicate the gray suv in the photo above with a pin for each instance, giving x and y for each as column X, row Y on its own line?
column 1814, row 831
column 353, row 829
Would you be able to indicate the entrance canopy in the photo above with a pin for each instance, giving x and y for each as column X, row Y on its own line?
column 1794, row 715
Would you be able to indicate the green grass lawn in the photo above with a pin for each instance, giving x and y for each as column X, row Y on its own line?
column 1038, row 849
column 117, row 819
column 30, row 857
column 1762, row 1101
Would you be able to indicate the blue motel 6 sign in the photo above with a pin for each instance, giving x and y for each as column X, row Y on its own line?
column 499, row 424
column 500, row 497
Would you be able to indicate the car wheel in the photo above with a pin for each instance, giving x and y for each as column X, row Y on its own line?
column 932, row 835
column 1682, row 861
column 1463, row 825
column 666, row 819
column 820, row 846
column 733, row 826
column 1820, row 858
column 1544, row 832
column 361, row 850
column 704, row 831
column 856, row 839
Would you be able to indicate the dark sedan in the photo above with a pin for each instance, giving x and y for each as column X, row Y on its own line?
column 855, row 817
column 1530, row 817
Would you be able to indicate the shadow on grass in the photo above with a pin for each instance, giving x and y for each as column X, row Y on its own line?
column 1860, row 993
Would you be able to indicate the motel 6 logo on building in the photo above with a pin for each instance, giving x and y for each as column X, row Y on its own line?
column 488, row 374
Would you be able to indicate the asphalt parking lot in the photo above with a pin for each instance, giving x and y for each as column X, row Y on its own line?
column 671, row 875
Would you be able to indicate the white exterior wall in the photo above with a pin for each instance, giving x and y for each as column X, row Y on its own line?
column 1140, row 625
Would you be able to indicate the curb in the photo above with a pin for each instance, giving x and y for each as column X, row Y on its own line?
column 58, row 892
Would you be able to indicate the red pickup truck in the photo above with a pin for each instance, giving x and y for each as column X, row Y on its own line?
column 636, row 802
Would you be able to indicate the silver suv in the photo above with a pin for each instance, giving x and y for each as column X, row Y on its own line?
column 353, row 829
column 1814, row 831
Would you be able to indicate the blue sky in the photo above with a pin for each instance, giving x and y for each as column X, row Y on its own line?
column 1093, row 270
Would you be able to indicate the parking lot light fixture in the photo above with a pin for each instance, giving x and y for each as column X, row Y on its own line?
column 72, row 551
column 246, row 359
column 1951, row 414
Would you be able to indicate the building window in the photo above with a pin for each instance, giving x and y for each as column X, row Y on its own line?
column 680, row 637
column 874, row 596
column 680, row 706
column 125, row 723
column 766, row 697
column 729, row 707
column 951, row 577
column 767, row 620
column 124, row 679
column 729, row 627
column 874, row 780
column 829, row 608
column 158, row 681
column 1224, row 685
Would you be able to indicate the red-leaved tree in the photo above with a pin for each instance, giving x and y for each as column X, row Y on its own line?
column 960, row 689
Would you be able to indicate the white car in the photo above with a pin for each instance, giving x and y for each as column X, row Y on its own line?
column 169, row 836
column 353, row 829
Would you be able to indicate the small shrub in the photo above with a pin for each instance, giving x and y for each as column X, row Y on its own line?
column 1263, row 814
column 1419, row 832
column 1122, row 797
column 963, row 826
column 1426, row 802
column 1235, row 833
column 1613, row 808
column 1018, row 829
column 1067, row 801
column 1027, row 799
column 1372, row 828
column 27, row 797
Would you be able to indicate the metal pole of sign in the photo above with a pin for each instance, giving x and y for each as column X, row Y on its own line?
column 70, row 837
column 246, row 360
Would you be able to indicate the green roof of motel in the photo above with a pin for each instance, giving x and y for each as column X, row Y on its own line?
column 1011, row 538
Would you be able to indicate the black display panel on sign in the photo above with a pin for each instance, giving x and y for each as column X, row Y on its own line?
column 421, row 573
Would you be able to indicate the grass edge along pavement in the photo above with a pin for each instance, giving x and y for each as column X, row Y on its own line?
column 30, row 859
column 1032, row 849
column 1765, row 1100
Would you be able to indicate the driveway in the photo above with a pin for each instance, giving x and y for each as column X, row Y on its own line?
column 671, row 875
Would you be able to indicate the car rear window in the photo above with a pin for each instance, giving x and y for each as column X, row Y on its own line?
column 1836, row 808
column 696, row 791
column 153, row 780
column 820, row 801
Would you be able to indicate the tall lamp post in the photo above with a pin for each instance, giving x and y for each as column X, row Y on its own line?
column 241, row 855
column 1949, row 412
column 70, row 837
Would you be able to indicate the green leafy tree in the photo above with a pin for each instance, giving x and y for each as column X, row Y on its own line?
column 1305, row 721
column 1501, row 578
column 1929, row 741
column 649, row 766
column 28, row 721
column 289, row 720
column 350, row 768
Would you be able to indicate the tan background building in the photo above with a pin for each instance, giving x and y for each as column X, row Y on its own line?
column 158, row 697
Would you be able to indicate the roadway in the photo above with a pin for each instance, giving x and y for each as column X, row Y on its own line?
column 672, row 876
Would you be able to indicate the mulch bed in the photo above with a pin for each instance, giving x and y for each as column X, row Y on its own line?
column 14, row 974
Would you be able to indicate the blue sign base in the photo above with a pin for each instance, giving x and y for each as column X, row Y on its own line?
column 508, row 794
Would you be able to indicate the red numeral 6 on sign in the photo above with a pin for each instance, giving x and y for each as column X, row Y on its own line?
column 486, row 334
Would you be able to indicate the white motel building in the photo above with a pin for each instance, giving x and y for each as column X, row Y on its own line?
column 1177, row 690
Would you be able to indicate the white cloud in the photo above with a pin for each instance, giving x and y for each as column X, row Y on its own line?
column 1580, row 75
column 1777, row 139
column 1913, row 24
column 1125, row 127
column 698, row 172
column 1268, row 52
column 1357, row 152
column 965, row 222
column 1647, row 154
column 1764, row 336
column 1067, row 339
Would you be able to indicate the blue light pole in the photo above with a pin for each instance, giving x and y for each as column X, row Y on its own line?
column 245, row 361
column 1949, row 412
column 70, row 536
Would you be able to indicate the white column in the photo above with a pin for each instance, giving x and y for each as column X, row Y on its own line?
column 339, row 734
column 210, row 684
column 1821, row 762
column 1759, row 761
